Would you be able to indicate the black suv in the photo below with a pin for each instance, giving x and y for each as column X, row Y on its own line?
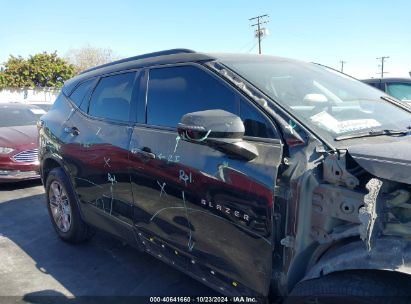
column 250, row 173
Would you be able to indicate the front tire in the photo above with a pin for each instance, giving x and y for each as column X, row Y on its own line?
column 358, row 286
column 63, row 208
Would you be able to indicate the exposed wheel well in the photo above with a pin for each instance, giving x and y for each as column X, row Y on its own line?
column 356, row 283
column 48, row 165
column 387, row 254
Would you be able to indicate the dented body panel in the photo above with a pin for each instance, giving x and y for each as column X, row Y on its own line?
column 388, row 159
column 218, row 211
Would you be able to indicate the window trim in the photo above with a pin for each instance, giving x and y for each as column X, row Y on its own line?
column 92, row 87
column 227, row 84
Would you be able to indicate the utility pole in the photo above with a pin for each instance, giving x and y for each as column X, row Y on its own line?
column 382, row 65
column 260, row 32
column 342, row 65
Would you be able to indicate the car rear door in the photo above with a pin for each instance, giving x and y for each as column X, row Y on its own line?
column 96, row 151
column 207, row 213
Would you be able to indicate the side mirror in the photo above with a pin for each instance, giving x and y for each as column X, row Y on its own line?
column 219, row 129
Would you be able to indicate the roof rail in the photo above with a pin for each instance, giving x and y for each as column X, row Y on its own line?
column 148, row 55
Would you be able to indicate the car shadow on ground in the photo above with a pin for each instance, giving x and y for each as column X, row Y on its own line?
column 20, row 185
column 36, row 263
column 53, row 297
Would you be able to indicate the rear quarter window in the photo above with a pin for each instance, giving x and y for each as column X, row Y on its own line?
column 81, row 94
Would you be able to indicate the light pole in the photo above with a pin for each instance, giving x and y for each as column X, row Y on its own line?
column 382, row 65
column 260, row 32
column 342, row 65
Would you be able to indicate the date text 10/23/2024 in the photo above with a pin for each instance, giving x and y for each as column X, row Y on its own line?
column 205, row 299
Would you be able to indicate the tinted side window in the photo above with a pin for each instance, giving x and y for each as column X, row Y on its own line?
column 374, row 84
column 255, row 123
column 81, row 93
column 112, row 97
column 173, row 92
column 68, row 87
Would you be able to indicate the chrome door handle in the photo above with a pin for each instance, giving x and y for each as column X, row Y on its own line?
column 72, row 130
column 144, row 152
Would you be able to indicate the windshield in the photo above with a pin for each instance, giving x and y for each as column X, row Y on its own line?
column 327, row 101
column 401, row 91
column 19, row 115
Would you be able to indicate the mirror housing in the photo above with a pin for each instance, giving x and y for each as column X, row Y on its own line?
column 219, row 129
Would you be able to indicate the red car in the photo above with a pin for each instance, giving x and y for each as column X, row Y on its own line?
column 19, row 142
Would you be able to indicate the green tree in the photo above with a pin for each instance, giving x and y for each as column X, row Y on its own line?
column 41, row 70
column 16, row 73
column 3, row 81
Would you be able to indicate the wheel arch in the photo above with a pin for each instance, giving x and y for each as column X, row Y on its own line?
column 388, row 254
column 49, row 163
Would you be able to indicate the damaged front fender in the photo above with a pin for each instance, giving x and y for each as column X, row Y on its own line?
column 391, row 163
column 379, row 215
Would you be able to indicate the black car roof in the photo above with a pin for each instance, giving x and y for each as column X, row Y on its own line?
column 159, row 58
column 141, row 57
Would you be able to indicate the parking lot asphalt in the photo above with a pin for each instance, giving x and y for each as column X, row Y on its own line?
column 34, row 262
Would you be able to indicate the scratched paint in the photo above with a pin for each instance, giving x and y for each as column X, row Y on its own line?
column 163, row 209
column 86, row 180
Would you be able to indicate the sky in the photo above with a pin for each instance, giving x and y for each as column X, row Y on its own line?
column 322, row 31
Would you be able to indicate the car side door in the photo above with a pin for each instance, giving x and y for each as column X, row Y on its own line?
column 98, row 136
column 200, row 209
